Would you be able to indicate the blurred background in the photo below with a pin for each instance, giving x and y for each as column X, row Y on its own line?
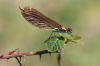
column 83, row 16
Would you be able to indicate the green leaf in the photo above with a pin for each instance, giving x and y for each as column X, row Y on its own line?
column 66, row 35
column 75, row 39
column 55, row 43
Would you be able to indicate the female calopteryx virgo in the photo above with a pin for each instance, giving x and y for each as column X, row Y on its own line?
column 39, row 20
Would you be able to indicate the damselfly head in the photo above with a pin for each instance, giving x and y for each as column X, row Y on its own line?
column 69, row 30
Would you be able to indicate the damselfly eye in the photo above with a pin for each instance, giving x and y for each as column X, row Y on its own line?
column 69, row 30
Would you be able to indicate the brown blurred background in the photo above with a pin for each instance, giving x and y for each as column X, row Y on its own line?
column 83, row 16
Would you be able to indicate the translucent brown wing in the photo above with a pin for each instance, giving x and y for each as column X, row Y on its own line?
column 38, row 19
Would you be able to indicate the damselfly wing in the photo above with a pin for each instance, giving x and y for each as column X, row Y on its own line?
column 39, row 20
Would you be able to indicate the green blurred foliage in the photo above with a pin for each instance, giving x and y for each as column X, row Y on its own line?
column 83, row 16
column 56, row 42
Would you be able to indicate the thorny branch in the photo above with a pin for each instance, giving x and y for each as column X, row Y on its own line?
column 16, row 54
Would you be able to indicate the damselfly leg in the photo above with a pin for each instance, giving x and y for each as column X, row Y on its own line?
column 50, row 35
